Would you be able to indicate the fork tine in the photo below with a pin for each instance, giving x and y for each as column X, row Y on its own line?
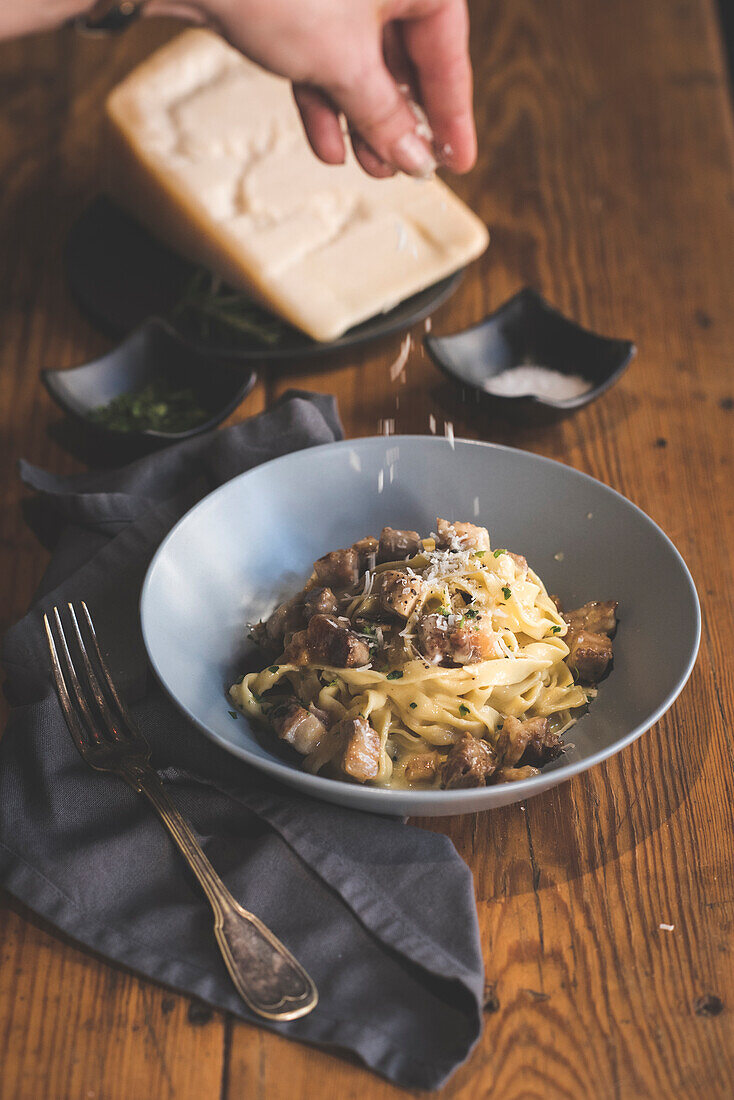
column 105, row 671
column 115, row 730
column 72, row 721
column 76, row 687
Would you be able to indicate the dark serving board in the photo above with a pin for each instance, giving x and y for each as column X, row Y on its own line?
column 120, row 275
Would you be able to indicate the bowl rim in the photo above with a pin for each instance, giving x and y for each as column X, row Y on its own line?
column 316, row 785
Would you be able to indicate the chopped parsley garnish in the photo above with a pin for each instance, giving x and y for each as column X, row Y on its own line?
column 369, row 630
column 479, row 553
column 159, row 406
column 463, row 711
column 332, row 683
column 232, row 713
column 555, row 629
column 413, row 706
column 498, row 552
column 396, row 674
column 274, row 668
column 506, row 592
column 471, row 613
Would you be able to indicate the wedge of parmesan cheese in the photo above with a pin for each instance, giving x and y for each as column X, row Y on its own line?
column 208, row 151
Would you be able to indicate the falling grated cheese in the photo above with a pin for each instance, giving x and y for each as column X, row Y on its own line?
column 397, row 368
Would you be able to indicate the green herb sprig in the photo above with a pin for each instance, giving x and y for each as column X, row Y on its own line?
column 213, row 309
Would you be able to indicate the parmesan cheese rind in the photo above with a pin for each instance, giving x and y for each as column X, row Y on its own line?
column 208, row 151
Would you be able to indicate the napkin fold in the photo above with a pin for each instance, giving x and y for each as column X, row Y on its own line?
column 380, row 913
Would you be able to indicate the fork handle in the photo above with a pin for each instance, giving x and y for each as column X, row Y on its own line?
column 267, row 976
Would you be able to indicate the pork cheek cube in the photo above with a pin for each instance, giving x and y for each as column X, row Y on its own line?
column 542, row 745
column 461, row 536
column 328, row 641
column 512, row 741
column 461, row 645
column 301, row 728
column 515, row 775
column 338, row 569
column 589, row 654
column 367, row 550
column 319, row 601
column 597, row 616
column 422, row 767
column 286, row 618
column 469, row 763
column 397, row 592
column 397, row 545
column 361, row 756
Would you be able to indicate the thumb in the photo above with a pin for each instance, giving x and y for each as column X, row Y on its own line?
column 379, row 113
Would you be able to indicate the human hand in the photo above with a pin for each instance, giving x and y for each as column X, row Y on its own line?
column 359, row 58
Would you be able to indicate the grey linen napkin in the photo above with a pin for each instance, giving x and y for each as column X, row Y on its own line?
column 381, row 914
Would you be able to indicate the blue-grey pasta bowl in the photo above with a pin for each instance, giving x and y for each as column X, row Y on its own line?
column 252, row 542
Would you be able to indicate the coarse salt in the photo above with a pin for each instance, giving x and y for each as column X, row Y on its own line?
column 666, row 927
column 530, row 380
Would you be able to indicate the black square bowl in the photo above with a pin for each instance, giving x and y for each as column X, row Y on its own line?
column 153, row 350
column 526, row 330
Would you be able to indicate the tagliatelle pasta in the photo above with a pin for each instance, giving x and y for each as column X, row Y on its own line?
column 463, row 647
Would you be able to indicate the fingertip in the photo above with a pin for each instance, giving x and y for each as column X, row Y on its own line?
column 372, row 164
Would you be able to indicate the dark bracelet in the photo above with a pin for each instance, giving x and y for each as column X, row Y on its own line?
column 109, row 16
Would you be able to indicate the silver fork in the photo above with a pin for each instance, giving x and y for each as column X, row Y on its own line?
column 266, row 975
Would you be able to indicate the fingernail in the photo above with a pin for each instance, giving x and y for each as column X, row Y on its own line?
column 413, row 156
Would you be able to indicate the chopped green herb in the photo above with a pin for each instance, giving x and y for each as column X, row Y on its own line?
column 233, row 714
column 159, row 406
column 555, row 629
column 274, row 668
column 463, row 711
column 506, row 592
column 332, row 683
column 498, row 552
column 413, row 706
column 479, row 553
column 396, row 674
column 471, row 613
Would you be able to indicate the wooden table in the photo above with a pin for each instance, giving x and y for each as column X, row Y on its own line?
column 606, row 178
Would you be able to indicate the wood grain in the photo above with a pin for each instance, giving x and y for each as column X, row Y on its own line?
column 606, row 178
